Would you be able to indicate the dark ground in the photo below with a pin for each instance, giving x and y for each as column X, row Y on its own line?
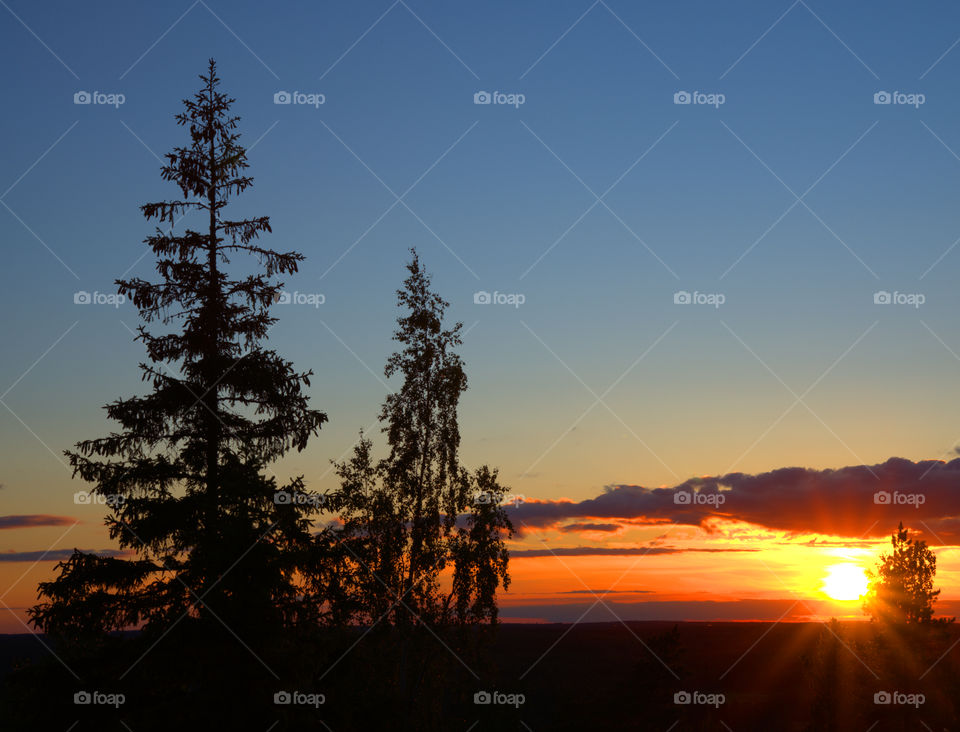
column 791, row 676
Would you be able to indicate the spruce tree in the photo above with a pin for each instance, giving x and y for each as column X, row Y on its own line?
column 211, row 540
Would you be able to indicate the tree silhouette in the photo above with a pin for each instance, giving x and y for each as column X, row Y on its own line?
column 480, row 558
column 400, row 527
column 420, row 552
column 221, row 570
column 901, row 589
column 210, row 538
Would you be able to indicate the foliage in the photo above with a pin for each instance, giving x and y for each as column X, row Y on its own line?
column 184, row 476
column 901, row 589
column 418, row 511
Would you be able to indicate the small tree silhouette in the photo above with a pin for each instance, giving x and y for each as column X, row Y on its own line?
column 901, row 589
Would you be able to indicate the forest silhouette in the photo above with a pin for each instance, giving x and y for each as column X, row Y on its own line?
column 243, row 601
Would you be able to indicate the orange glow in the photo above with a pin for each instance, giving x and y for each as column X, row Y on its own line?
column 845, row 582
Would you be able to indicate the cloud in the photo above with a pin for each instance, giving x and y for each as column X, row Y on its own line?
column 589, row 527
column 53, row 555
column 925, row 495
column 615, row 610
column 34, row 520
column 589, row 551
column 657, row 610
column 602, row 592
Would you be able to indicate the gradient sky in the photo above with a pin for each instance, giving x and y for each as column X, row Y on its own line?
column 796, row 199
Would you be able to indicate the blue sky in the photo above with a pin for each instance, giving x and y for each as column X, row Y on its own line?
column 701, row 203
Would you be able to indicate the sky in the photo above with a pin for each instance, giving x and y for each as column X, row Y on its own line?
column 717, row 241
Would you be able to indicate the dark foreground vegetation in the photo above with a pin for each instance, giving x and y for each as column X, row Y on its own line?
column 791, row 676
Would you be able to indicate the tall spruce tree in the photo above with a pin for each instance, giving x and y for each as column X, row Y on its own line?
column 206, row 538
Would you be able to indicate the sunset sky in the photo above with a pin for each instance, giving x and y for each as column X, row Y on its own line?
column 791, row 210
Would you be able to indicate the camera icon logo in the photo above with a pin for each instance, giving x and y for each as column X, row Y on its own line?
column 283, row 298
column 881, row 498
column 882, row 697
column 282, row 697
column 882, row 97
column 681, row 497
column 682, row 697
column 482, row 297
column 82, row 498
column 482, row 697
column 81, row 298
column 881, row 297
column 482, row 97
column 82, row 697
column 682, row 297
column 82, row 97
column 282, row 498
column 282, row 97
column 682, row 97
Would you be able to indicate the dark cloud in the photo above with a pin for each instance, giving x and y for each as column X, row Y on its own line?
column 33, row 520
column 53, row 555
column 616, row 610
column 589, row 527
column 677, row 610
column 602, row 592
column 925, row 495
column 587, row 551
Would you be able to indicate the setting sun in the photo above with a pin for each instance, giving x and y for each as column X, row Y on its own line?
column 845, row 582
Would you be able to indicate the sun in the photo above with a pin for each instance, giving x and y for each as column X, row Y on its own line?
column 845, row 582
